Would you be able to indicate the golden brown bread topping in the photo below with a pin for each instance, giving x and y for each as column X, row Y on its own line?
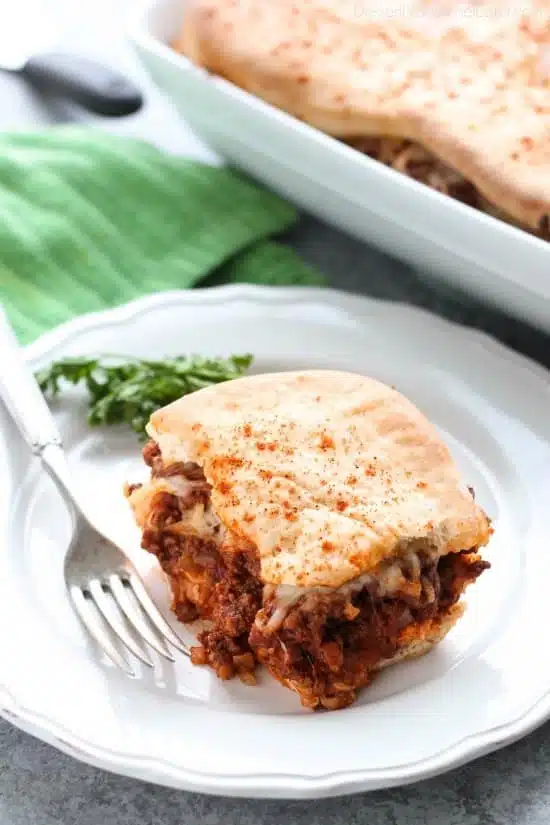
column 294, row 503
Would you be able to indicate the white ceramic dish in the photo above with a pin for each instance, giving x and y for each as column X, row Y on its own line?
column 485, row 686
column 473, row 251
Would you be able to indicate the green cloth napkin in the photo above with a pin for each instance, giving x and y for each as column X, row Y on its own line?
column 89, row 221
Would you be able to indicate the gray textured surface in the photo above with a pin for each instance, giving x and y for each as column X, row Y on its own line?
column 39, row 786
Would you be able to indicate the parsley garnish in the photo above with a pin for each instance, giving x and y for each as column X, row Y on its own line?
column 124, row 390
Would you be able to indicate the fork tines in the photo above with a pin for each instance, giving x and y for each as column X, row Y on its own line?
column 120, row 604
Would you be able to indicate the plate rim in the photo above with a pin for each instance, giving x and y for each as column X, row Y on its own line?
column 267, row 785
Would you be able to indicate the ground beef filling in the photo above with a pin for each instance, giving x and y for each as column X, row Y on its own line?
column 328, row 643
column 207, row 583
column 413, row 160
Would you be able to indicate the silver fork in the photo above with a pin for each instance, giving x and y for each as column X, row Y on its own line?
column 103, row 585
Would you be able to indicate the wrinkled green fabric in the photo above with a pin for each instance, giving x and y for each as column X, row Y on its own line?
column 89, row 221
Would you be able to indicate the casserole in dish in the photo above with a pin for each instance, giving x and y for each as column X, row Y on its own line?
column 470, row 249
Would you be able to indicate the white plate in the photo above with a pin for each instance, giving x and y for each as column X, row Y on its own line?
column 486, row 685
column 435, row 233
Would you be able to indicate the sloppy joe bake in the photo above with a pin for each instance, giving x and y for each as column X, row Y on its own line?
column 456, row 95
column 315, row 521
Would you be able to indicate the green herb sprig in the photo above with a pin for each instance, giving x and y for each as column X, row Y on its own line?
column 129, row 390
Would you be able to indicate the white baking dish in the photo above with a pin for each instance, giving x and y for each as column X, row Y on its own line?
column 431, row 231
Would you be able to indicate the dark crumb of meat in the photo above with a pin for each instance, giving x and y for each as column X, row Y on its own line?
column 197, row 491
column 186, row 611
column 150, row 452
column 188, row 469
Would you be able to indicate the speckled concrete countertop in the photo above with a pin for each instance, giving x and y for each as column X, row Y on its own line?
column 39, row 786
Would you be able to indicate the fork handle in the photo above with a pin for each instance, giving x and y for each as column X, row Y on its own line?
column 21, row 394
